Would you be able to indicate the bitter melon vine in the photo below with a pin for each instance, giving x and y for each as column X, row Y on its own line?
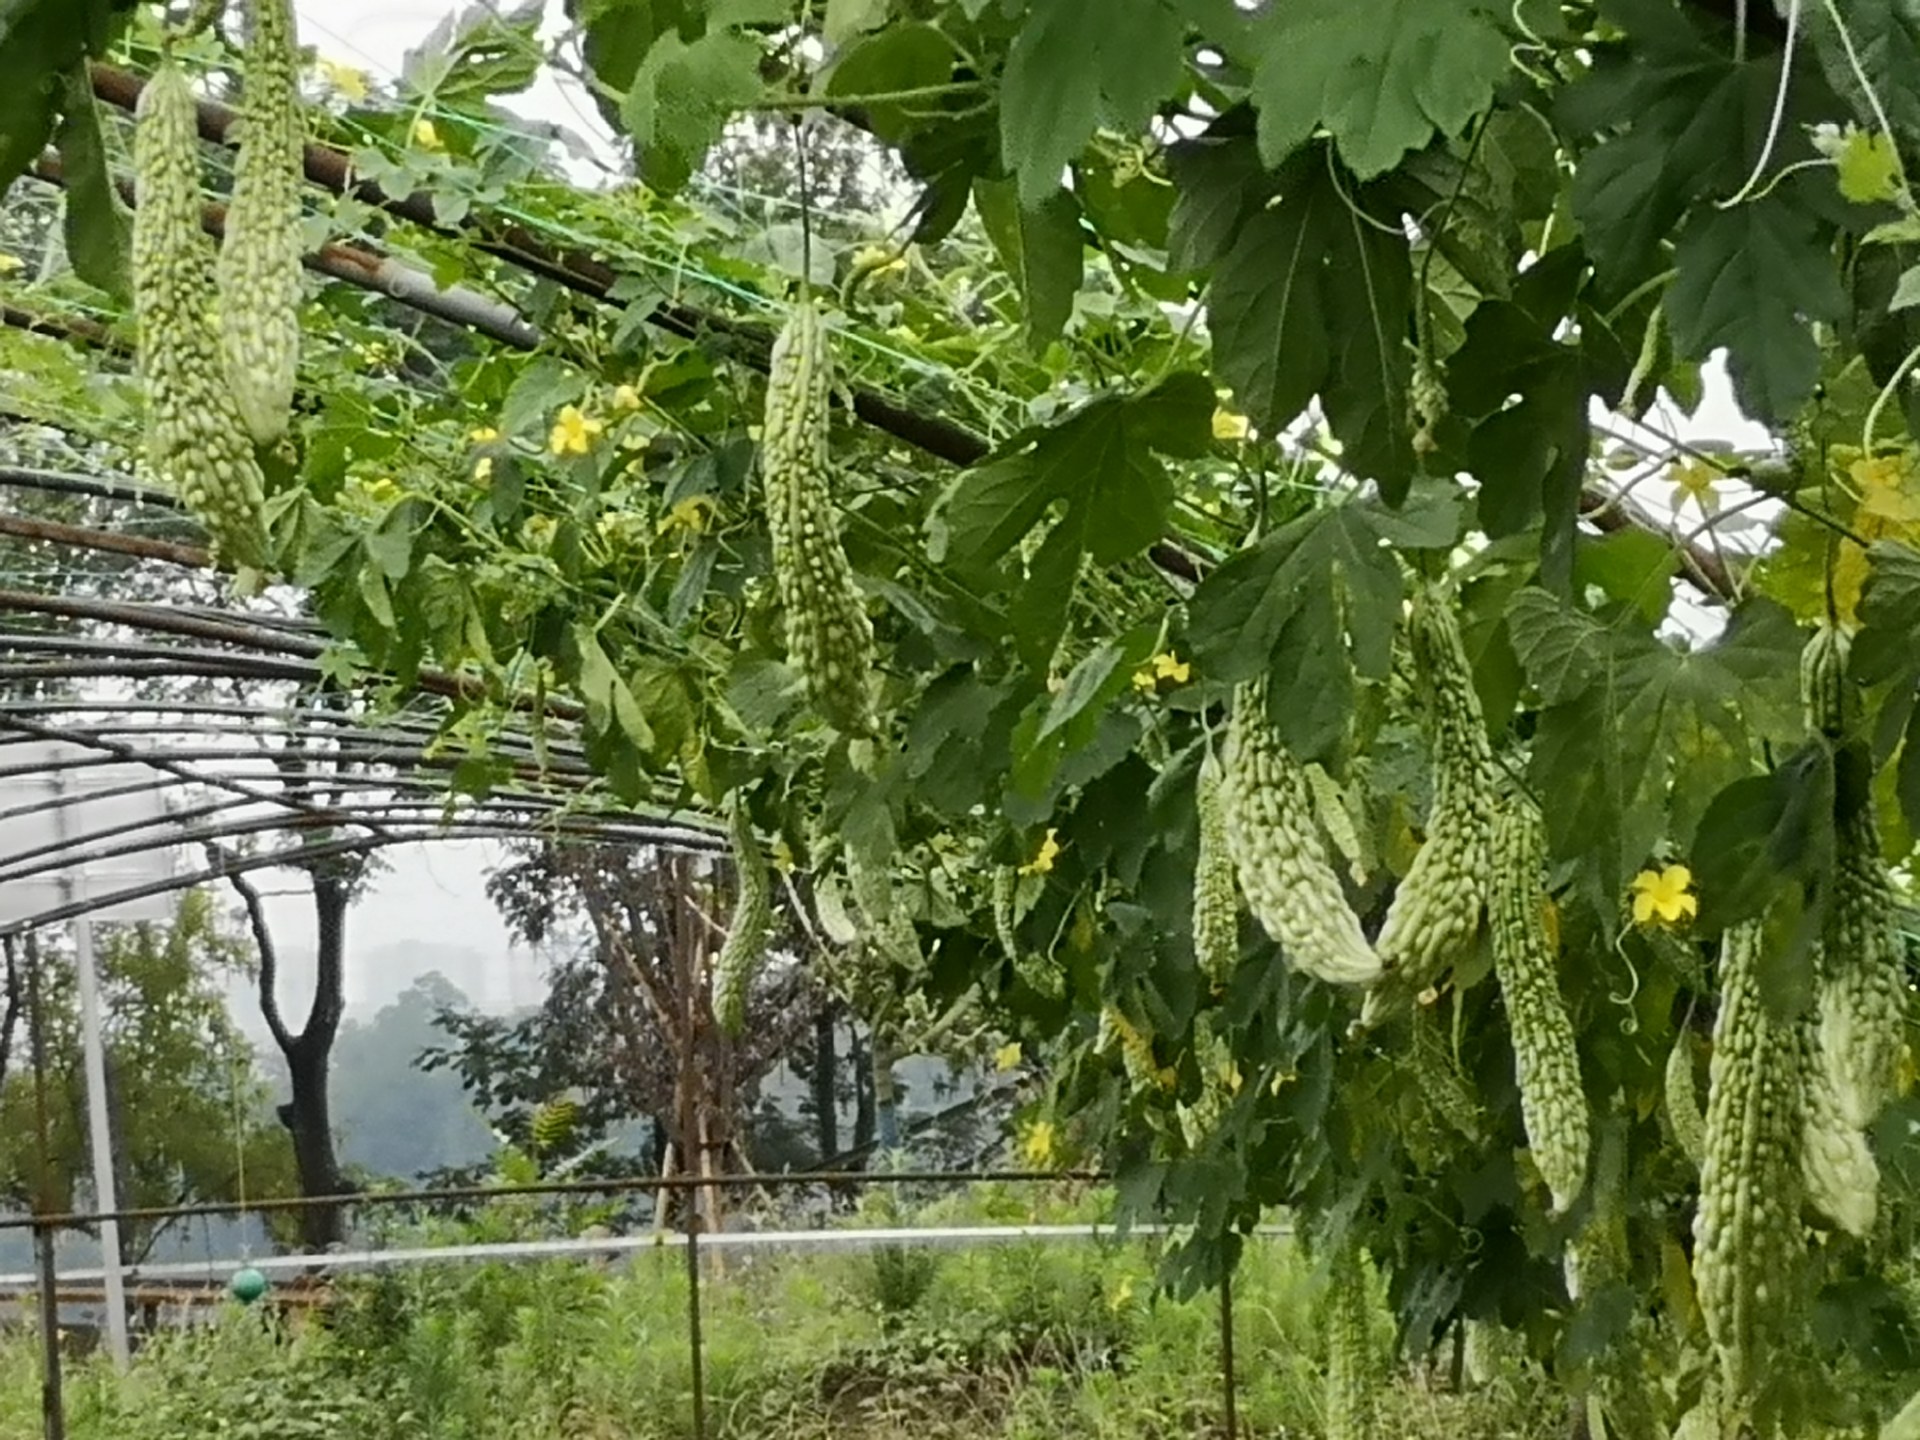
column 197, row 443
column 1546, row 1064
column 829, row 637
column 259, row 269
column 745, row 947
column 1278, row 856
column 1862, row 985
column 1436, row 911
column 1747, row 1235
column 1349, row 1374
column 1216, row 905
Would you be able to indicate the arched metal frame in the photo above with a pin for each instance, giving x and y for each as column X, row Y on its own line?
column 297, row 782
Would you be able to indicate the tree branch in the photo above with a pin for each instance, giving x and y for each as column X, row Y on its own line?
column 263, row 941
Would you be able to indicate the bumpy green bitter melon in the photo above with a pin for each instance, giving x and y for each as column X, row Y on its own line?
column 745, row 947
column 1747, row 1232
column 259, row 268
column 1278, row 856
column 197, row 443
column 1553, row 1104
column 829, row 636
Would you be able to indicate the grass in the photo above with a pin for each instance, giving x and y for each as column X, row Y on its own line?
column 1034, row 1341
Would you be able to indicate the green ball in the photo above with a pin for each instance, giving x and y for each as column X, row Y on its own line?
column 247, row 1285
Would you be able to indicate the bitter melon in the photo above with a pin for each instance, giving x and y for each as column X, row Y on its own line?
column 259, row 269
column 829, row 636
column 1842, row 1177
column 1436, row 911
column 745, row 947
column 1553, row 1104
column 197, row 444
column 1349, row 1374
column 1862, row 983
column 1216, row 904
column 1747, row 1234
column 1277, row 853
column 1682, row 1102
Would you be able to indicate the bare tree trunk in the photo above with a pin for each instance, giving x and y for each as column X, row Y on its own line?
column 307, row 1115
column 826, row 1108
column 12, row 996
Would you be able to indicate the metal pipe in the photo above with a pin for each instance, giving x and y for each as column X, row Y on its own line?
column 215, row 1271
column 610, row 1185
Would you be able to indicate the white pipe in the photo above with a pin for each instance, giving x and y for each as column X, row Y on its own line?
column 615, row 1245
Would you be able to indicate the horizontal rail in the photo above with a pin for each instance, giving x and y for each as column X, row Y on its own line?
column 852, row 1239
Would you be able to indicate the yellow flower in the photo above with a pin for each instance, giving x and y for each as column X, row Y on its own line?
column 691, row 514
column 10, row 263
column 1043, row 858
column 1229, row 426
column 876, row 261
column 625, row 397
column 1164, row 666
column 483, row 469
column 1665, row 893
column 345, row 81
column 1122, row 1295
column 427, row 135
column 1007, row 1057
column 573, row 432
column 1038, row 1145
column 1695, row 480
column 1873, row 473
column 485, row 435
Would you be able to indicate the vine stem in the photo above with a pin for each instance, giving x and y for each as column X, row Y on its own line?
column 1779, row 115
column 1900, row 373
column 871, row 97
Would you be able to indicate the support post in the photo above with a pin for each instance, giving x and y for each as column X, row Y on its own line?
column 1229, row 1400
column 53, row 1405
column 100, row 1137
column 693, row 1324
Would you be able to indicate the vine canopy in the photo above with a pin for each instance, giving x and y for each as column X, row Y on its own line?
column 1308, row 360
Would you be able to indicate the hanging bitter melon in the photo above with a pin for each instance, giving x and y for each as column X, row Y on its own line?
column 1278, row 856
column 1862, row 995
column 1437, row 909
column 1553, row 1105
column 1349, row 1374
column 829, row 637
column 1747, row 1234
column 745, row 948
column 1216, row 904
column 1682, row 1101
column 197, row 444
column 259, row 269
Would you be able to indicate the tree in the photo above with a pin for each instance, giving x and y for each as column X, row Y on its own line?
column 1314, row 414
column 185, row 1098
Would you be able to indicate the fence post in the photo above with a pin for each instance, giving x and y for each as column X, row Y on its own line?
column 693, row 1325
column 1230, row 1401
column 53, row 1408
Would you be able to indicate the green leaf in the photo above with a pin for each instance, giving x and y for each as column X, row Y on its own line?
column 40, row 41
column 1762, row 833
column 681, row 99
column 609, row 702
column 1383, row 76
column 1076, row 64
column 1628, row 728
column 1100, row 465
column 1906, row 293
column 1099, row 461
column 1633, row 567
column 847, row 18
column 1313, row 298
column 1041, row 247
column 98, row 228
column 1750, row 278
column 1315, row 603
column 901, row 57
column 539, row 389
